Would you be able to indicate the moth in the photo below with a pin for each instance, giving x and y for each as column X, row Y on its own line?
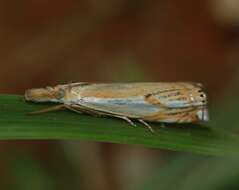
column 166, row 102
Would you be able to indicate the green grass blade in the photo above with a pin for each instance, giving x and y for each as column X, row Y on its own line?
column 16, row 123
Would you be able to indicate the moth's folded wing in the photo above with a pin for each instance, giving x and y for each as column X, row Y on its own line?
column 133, row 107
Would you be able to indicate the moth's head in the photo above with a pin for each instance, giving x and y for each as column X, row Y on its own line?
column 48, row 94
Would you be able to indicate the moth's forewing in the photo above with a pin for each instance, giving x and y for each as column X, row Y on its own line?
column 164, row 102
column 126, row 90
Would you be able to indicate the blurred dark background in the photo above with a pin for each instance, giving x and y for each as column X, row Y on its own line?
column 53, row 42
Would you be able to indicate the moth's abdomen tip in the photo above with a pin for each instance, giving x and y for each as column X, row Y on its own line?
column 203, row 115
column 28, row 95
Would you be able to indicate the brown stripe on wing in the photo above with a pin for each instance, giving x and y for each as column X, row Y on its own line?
column 156, row 98
column 177, row 115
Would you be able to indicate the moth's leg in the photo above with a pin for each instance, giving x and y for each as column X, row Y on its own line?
column 78, row 109
column 146, row 124
column 126, row 119
column 49, row 109
column 73, row 109
column 82, row 109
column 121, row 117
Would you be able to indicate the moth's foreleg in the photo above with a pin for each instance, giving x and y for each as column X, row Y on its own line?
column 49, row 109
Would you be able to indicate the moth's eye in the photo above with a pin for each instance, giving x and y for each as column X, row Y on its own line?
column 60, row 94
column 49, row 88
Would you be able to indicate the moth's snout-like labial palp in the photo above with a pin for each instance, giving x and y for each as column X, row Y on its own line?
column 35, row 95
column 40, row 95
column 27, row 95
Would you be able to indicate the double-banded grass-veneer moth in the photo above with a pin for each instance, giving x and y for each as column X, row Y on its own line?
column 172, row 102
